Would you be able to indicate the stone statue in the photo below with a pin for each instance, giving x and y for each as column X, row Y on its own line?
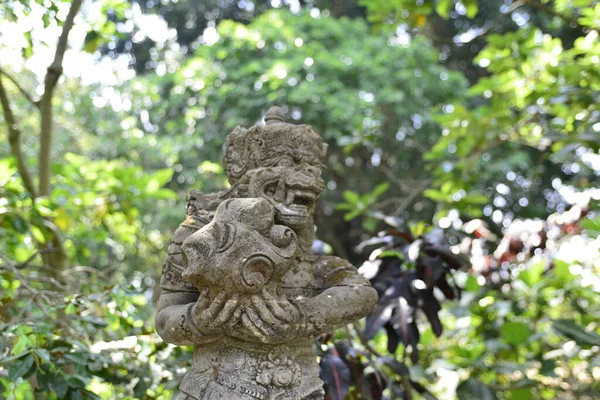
column 241, row 282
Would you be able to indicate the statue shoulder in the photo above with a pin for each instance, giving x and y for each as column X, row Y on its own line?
column 199, row 209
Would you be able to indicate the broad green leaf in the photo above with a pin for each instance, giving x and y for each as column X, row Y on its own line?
column 59, row 386
column 20, row 367
column 92, row 41
column 7, row 169
column 532, row 273
column 444, row 7
column 380, row 189
column 471, row 285
column 163, row 176
column 472, row 7
column 515, row 333
column 472, row 389
column 574, row 331
column 37, row 234
column 351, row 197
column 521, row 394
column 435, row 195
column 562, row 270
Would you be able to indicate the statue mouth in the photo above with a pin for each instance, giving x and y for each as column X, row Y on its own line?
column 295, row 206
column 300, row 199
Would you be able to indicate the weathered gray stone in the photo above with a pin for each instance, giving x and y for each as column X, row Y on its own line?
column 240, row 281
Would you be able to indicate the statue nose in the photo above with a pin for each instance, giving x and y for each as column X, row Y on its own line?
column 311, row 170
column 195, row 250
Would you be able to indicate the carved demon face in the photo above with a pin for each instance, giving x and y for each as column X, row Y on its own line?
column 280, row 162
column 292, row 186
column 241, row 250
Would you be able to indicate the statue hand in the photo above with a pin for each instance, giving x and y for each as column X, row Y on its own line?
column 218, row 316
column 271, row 320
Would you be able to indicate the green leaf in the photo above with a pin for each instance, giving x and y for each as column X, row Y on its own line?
column 435, row 195
column 77, row 357
column 344, row 206
column 471, row 285
column 7, row 169
column 521, row 394
column 369, row 224
column 515, row 333
column 163, row 176
column 472, row 389
column 562, row 270
column 380, row 189
column 37, row 234
column 444, row 7
column 59, row 386
column 572, row 330
column 20, row 367
column 351, row 197
column 75, row 394
column 92, row 41
column 43, row 354
column 472, row 7
column 532, row 274
column 77, row 381
column 592, row 226
column 351, row 215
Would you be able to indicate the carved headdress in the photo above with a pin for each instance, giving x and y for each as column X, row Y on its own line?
column 266, row 145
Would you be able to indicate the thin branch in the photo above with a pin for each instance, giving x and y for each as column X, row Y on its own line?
column 84, row 268
column 386, row 202
column 550, row 11
column 21, row 89
column 409, row 199
column 55, row 70
column 14, row 139
column 41, row 251
column 514, row 6
column 365, row 342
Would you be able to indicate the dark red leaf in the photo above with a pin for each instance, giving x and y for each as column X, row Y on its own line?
column 444, row 286
column 454, row 261
column 336, row 375
column 431, row 307
column 392, row 337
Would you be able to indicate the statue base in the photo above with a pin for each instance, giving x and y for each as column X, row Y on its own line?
column 247, row 371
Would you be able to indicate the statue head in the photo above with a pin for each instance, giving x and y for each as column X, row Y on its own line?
column 262, row 253
column 279, row 162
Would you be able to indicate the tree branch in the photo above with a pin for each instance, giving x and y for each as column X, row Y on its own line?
column 417, row 191
column 550, row 11
column 14, row 139
column 21, row 89
column 55, row 70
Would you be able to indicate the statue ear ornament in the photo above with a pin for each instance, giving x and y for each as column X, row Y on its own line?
column 225, row 235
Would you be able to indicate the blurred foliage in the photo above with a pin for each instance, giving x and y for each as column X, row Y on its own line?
column 465, row 132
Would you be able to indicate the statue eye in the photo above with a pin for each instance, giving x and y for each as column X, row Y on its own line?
column 285, row 162
column 270, row 190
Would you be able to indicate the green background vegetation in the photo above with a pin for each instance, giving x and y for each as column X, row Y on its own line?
column 466, row 132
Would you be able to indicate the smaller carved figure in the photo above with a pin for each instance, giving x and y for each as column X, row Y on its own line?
column 241, row 251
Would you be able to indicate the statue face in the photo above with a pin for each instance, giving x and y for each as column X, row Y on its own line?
column 293, row 185
column 241, row 248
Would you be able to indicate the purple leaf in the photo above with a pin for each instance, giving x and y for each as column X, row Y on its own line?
column 336, row 375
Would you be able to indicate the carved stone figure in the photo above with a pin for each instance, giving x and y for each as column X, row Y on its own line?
column 241, row 282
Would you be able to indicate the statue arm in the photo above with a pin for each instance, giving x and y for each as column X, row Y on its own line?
column 174, row 317
column 347, row 296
